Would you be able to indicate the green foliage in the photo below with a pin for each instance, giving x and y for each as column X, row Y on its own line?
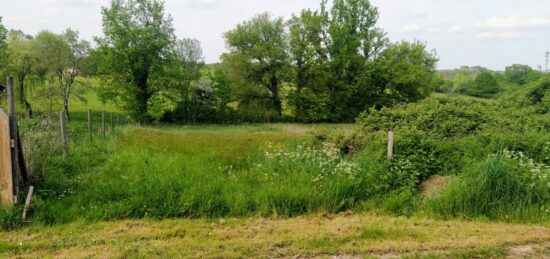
column 504, row 186
column 22, row 60
column 518, row 74
column 404, row 73
column 344, row 63
column 138, row 37
column 428, row 131
column 60, row 58
column 534, row 96
column 258, row 48
column 485, row 86
column 310, row 97
column 184, row 70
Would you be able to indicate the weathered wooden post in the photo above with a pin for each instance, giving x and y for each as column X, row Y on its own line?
column 6, row 176
column 90, row 130
column 62, row 122
column 13, row 138
column 103, row 123
column 27, row 202
column 390, row 145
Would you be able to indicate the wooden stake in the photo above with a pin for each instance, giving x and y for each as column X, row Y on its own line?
column 28, row 202
column 390, row 145
column 63, row 134
column 90, row 130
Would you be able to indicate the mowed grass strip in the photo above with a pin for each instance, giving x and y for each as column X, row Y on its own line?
column 351, row 235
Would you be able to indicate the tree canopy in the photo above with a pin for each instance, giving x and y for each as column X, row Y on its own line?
column 138, row 36
column 258, row 48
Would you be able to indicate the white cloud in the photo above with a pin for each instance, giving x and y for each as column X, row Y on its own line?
column 498, row 35
column 411, row 28
column 455, row 29
column 514, row 21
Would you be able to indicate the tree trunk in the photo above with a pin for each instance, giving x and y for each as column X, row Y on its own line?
column 142, row 100
column 51, row 99
column 275, row 98
column 66, row 107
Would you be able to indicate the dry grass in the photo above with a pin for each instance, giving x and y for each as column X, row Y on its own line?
column 345, row 235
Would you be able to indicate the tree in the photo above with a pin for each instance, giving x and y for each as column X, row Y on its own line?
column 222, row 86
column 354, row 43
column 65, row 57
column 22, row 62
column 310, row 66
column 185, row 68
column 134, row 50
column 405, row 72
column 485, row 86
column 518, row 73
column 258, row 48
column 333, row 52
column 204, row 102
column 53, row 54
column 79, row 51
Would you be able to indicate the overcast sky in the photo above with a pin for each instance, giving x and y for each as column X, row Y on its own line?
column 490, row 33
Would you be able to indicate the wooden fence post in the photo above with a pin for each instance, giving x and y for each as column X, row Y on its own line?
column 27, row 202
column 62, row 122
column 13, row 138
column 103, row 123
column 90, row 130
column 390, row 145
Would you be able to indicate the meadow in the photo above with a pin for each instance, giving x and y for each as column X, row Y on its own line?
column 480, row 172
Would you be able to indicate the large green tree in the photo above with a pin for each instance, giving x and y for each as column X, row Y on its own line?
column 310, row 97
column 485, row 85
column 184, row 69
column 403, row 73
column 259, row 49
column 333, row 51
column 63, row 57
column 22, row 62
column 137, row 41
column 354, row 42
column 53, row 53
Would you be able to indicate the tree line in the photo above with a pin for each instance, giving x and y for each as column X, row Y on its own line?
column 485, row 83
column 324, row 65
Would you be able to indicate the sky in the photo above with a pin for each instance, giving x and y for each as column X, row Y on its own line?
column 489, row 33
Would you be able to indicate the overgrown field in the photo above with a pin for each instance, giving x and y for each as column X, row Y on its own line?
column 455, row 158
column 493, row 157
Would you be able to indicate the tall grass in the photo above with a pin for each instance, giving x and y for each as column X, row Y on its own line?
column 497, row 188
column 159, row 174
